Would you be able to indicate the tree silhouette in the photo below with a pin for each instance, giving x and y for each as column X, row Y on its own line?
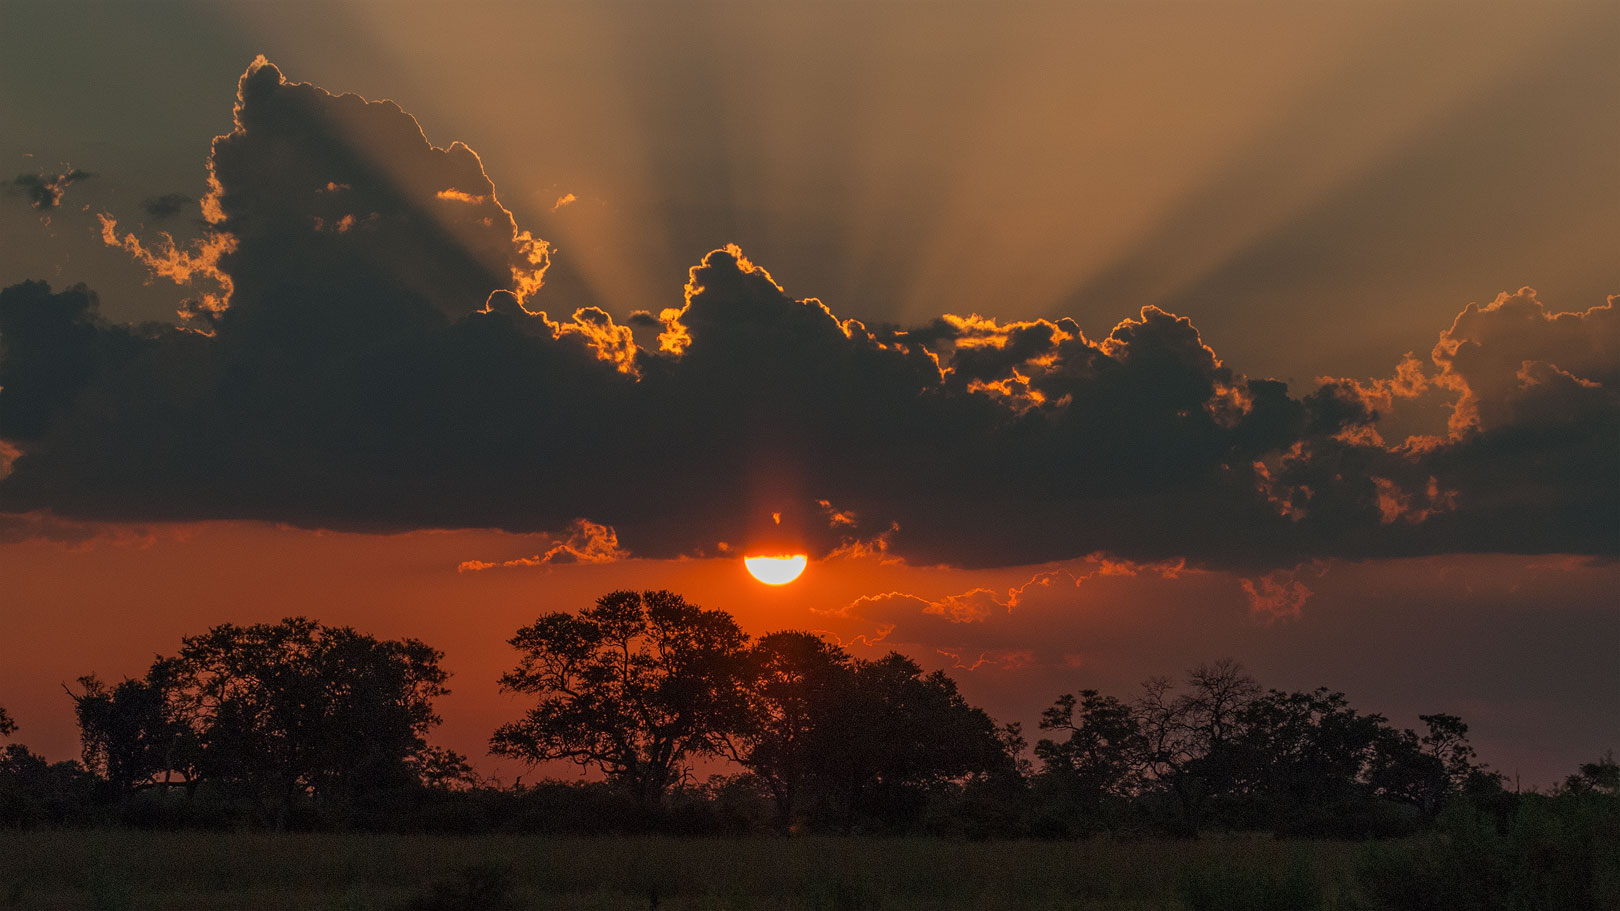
column 1602, row 776
column 274, row 711
column 633, row 686
column 792, row 681
column 130, row 734
column 1094, row 770
column 1303, row 761
column 892, row 734
column 1188, row 737
column 34, row 791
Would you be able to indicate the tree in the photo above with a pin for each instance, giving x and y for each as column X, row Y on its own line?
column 1094, row 769
column 791, row 682
column 273, row 712
column 1600, row 777
column 1447, row 742
column 34, row 791
column 633, row 686
column 1188, row 737
column 1213, row 707
column 1304, row 759
column 1400, row 771
column 130, row 735
column 891, row 735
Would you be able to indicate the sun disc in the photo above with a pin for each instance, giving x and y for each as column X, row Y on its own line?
column 778, row 570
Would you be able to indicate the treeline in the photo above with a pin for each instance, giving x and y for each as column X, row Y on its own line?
column 297, row 725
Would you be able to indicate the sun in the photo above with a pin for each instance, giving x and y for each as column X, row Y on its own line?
column 779, row 570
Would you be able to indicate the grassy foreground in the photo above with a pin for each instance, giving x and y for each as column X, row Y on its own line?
column 107, row 870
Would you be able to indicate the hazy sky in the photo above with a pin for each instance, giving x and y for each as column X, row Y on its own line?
column 1304, row 192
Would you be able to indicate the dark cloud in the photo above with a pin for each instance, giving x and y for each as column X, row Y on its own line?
column 369, row 355
column 44, row 191
column 160, row 208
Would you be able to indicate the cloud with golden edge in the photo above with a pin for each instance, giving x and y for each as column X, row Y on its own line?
column 585, row 542
column 45, row 190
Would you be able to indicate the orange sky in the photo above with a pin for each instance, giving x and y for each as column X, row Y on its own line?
column 1520, row 647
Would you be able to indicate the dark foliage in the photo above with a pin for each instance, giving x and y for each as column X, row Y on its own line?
column 1220, row 753
column 1558, row 852
column 296, row 722
column 633, row 687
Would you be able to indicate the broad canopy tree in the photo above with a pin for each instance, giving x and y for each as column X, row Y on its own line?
column 893, row 734
column 792, row 682
column 640, row 683
column 633, row 686
column 273, row 712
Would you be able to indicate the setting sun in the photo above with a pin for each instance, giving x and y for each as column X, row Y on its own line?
column 776, row 570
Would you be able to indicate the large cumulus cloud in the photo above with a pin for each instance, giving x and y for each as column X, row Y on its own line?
column 368, row 349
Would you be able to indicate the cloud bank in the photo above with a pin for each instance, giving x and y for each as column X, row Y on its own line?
column 367, row 349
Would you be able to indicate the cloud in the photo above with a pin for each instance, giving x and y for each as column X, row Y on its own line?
column 160, row 208
column 40, row 526
column 319, row 192
column 584, row 542
column 368, row 352
column 1277, row 595
column 44, row 191
column 1515, row 362
column 196, row 267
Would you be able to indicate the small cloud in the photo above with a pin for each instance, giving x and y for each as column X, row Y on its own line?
column 586, row 542
column 44, row 191
column 159, row 208
column 1279, row 594
column 996, row 659
column 566, row 199
column 42, row 525
column 455, row 195
column 837, row 518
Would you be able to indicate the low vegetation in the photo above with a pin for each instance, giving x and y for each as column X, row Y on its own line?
column 250, row 871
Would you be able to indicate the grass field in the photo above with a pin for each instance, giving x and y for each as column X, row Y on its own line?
column 111, row 871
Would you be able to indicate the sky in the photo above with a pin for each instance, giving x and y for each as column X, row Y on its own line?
column 1074, row 343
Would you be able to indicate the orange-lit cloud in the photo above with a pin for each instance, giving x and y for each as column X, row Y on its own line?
column 1514, row 360
column 197, row 267
column 585, row 542
column 1277, row 595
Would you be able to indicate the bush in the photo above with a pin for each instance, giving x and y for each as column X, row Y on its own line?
column 1561, row 853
